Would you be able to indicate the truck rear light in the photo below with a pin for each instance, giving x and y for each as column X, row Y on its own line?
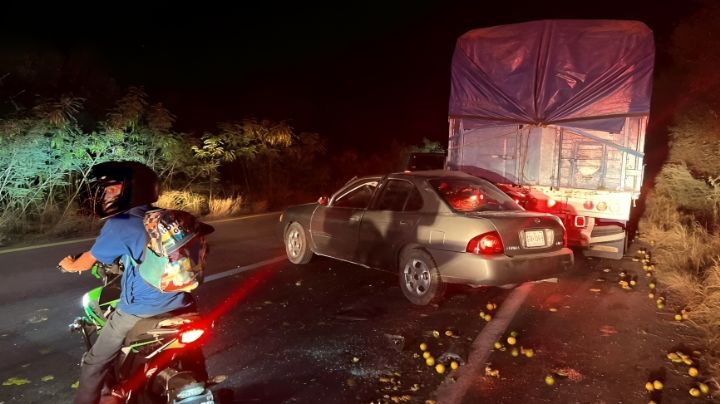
column 588, row 205
column 486, row 244
column 580, row 221
column 602, row 206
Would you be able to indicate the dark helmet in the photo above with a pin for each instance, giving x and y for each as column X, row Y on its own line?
column 122, row 185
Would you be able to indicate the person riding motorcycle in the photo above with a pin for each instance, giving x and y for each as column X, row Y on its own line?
column 125, row 192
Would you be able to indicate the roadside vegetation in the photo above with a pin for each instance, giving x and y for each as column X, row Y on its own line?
column 47, row 153
column 681, row 222
column 48, row 145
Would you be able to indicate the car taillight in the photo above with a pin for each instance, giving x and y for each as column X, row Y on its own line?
column 579, row 221
column 486, row 244
column 190, row 335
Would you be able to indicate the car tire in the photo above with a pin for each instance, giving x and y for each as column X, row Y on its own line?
column 297, row 247
column 420, row 279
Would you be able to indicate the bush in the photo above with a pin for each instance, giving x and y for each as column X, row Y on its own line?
column 681, row 224
column 221, row 207
column 679, row 189
column 192, row 202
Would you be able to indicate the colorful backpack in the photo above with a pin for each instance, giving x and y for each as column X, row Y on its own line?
column 174, row 257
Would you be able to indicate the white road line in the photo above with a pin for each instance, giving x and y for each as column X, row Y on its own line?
column 35, row 247
column 82, row 240
column 245, row 268
column 453, row 393
column 232, row 219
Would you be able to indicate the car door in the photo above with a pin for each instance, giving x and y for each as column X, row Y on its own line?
column 335, row 227
column 390, row 223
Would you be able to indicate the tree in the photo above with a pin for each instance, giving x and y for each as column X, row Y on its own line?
column 696, row 52
column 695, row 140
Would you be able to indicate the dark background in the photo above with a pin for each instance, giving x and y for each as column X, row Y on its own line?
column 357, row 73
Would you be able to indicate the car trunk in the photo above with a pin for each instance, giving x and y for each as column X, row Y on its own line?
column 536, row 233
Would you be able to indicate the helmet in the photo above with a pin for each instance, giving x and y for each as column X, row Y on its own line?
column 122, row 185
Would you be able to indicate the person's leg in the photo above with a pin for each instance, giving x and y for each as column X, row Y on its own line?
column 97, row 361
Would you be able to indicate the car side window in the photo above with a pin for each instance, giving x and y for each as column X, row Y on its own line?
column 414, row 202
column 357, row 197
column 398, row 195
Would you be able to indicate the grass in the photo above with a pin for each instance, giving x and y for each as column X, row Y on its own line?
column 192, row 202
column 200, row 204
column 222, row 207
column 51, row 224
column 15, row 227
column 686, row 250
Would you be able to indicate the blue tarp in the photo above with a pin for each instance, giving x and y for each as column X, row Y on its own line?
column 582, row 73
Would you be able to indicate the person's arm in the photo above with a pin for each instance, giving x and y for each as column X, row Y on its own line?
column 82, row 263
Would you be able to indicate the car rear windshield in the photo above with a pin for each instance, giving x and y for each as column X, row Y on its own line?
column 473, row 195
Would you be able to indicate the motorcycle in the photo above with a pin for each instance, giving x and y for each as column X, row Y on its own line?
column 161, row 360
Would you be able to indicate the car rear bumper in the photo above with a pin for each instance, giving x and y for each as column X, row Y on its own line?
column 474, row 270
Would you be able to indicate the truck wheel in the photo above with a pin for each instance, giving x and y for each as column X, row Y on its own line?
column 296, row 244
column 420, row 280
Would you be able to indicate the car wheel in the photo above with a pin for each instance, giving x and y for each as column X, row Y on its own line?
column 296, row 244
column 419, row 277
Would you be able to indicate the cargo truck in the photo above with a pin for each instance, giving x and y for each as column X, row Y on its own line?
column 555, row 112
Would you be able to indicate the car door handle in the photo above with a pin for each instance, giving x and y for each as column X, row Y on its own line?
column 354, row 218
column 404, row 222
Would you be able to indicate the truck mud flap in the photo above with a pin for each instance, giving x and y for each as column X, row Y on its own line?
column 611, row 249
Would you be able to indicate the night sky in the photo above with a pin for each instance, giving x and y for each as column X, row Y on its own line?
column 357, row 74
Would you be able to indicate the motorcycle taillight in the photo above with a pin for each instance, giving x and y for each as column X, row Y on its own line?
column 190, row 335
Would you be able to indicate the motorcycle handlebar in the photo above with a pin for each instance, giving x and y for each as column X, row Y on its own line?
column 74, row 257
column 100, row 270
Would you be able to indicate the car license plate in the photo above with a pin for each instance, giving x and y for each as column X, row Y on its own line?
column 534, row 238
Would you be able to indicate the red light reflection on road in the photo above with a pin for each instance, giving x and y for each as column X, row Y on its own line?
column 137, row 380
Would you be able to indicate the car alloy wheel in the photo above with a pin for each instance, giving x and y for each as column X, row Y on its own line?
column 420, row 280
column 417, row 276
column 296, row 244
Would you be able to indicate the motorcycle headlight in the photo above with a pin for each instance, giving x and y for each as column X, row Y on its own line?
column 85, row 300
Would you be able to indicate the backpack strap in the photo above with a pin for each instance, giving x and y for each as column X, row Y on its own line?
column 135, row 262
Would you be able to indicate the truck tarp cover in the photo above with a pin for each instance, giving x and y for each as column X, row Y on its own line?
column 582, row 73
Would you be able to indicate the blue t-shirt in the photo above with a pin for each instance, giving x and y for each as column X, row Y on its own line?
column 124, row 235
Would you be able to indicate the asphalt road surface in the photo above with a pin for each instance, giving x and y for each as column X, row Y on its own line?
column 335, row 332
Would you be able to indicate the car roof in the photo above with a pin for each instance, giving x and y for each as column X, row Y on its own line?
column 424, row 175
column 427, row 174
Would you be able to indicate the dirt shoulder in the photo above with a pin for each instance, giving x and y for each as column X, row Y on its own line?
column 598, row 341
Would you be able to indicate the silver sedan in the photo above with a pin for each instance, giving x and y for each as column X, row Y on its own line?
column 433, row 228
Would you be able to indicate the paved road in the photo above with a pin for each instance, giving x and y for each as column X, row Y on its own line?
column 38, row 302
column 336, row 332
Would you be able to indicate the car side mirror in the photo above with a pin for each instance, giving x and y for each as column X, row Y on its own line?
column 323, row 200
